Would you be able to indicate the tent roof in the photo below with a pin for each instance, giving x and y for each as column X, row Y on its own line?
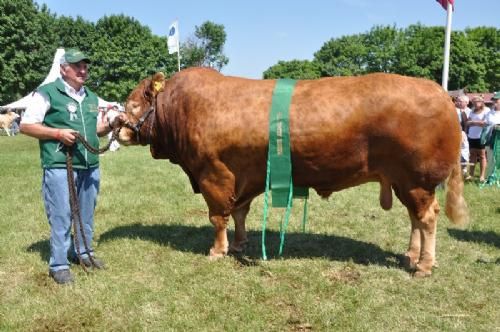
column 51, row 77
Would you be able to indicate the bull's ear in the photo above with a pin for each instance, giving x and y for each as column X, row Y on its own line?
column 157, row 83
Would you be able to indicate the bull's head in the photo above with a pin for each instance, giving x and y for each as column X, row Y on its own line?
column 139, row 109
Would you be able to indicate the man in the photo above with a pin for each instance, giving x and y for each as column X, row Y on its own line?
column 59, row 110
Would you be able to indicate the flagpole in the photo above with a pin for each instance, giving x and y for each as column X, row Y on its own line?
column 446, row 64
column 178, row 48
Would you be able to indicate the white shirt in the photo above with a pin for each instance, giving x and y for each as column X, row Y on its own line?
column 40, row 104
column 475, row 131
column 493, row 117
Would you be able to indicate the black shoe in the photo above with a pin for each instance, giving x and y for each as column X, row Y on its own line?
column 61, row 276
column 99, row 264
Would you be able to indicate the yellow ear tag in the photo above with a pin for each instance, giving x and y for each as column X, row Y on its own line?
column 158, row 86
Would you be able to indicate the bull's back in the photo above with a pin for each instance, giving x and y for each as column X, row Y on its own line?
column 356, row 129
column 344, row 131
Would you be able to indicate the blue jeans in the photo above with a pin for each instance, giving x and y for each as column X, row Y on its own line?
column 56, row 199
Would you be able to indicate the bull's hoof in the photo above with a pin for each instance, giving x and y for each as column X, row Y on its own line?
column 423, row 271
column 409, row 262
column 238, row 248
column 422, row 274
column 216, row 254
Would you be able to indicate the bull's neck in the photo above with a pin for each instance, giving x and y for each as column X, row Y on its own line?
column 161, row 144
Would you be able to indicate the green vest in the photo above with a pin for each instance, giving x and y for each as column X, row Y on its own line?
column 65, row 112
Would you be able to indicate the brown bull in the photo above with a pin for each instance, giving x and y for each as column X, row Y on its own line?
column 399, row 131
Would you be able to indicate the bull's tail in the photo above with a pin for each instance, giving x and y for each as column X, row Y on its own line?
column 456, row 207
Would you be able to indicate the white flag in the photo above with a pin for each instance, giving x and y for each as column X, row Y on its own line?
column 173, row 38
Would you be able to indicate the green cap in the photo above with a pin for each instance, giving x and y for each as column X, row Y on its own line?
column 73, row 55
column 496, row 95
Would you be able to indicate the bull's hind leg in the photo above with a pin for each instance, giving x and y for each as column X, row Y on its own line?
column 423, row 210
column 240, row 234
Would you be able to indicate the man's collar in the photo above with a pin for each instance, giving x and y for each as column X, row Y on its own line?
column 64, row 86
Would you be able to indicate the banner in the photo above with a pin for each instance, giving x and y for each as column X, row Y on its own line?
column 444, row 3
column 173, row 38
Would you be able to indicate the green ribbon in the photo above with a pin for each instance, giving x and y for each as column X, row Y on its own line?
column 279, row 164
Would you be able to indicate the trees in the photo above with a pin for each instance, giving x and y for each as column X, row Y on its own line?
column 74, row 33
column 206, row 48
column 343, row 56
column 414, row 51
column 295, row 69
column 487, row 41
column 25, row 55
column 123, row 53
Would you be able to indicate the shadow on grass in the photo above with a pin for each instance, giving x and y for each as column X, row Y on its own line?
column 42, row 247
column 198, row 240
column 489, row 237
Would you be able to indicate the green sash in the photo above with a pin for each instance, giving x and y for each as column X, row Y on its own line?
column 279, row 163
column 279, row 145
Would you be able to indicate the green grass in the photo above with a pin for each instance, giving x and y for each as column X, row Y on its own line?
column 342, row 274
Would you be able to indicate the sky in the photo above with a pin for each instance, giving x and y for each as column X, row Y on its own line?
column 262, row 32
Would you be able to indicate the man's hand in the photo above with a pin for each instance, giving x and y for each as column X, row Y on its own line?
column 66, row 136
column 116, row 120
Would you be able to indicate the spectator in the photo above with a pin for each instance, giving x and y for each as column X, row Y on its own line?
column 463, row 111
column 493, row 117
column 475, row 123
column 492, row 139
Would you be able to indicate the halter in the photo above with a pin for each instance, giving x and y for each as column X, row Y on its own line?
column 137, row 127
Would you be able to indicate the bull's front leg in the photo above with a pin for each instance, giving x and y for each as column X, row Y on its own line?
column 217, row 188
column 220, row 247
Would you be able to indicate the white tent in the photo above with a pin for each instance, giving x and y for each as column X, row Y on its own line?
column 54, row 73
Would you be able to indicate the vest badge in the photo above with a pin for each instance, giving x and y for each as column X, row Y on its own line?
column 72, row 107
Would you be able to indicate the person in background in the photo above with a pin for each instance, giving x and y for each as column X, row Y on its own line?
column 60, row 110
column 475, row 123
column 493, row 117
column 492, row 139
column 463, row 111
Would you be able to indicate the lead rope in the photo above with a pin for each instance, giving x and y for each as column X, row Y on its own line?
column 73, row 199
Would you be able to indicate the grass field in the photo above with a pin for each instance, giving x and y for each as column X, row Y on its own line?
column 342, row 274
